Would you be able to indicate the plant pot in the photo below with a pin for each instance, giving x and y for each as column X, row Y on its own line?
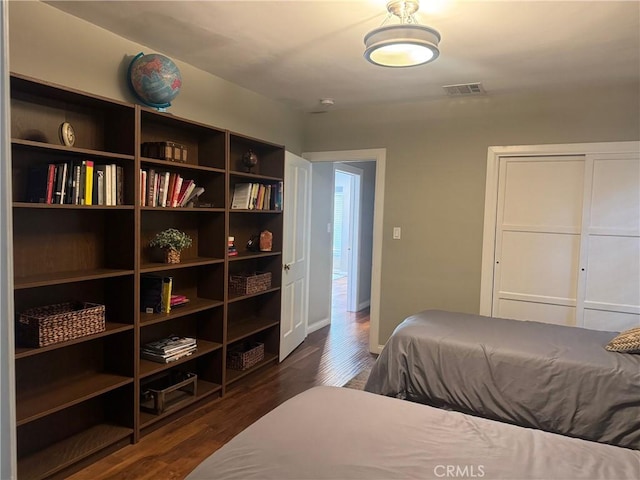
column 171, row 256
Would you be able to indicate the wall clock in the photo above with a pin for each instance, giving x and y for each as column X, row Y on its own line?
column 67, row 135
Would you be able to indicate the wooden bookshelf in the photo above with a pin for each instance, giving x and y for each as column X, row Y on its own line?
column 80, row 399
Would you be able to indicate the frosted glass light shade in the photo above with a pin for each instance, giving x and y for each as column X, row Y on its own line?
column 402, row 45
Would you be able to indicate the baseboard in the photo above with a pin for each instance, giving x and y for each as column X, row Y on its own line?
column 363, row 305
column 318, row 325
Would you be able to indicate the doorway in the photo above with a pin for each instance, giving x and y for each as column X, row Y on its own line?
column 347, row 196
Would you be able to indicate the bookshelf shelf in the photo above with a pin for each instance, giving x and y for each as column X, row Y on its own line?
column 238, row 298
column 188, row 263
column 70, row 151
column 111, row 328
column 48, row 399
column 235, row 375
column 79, row 400
column 57, row 278
column 65, row 453
column 148, row 367
column 204, row 389
column 243, row 328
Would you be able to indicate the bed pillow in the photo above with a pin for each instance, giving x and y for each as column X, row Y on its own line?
column 626, row 342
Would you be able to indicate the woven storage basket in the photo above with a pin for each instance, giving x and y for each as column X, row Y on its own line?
column 41, row 326
column 245, row 356
column 248, row 284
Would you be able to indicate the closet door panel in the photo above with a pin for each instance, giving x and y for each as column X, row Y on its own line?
column 541, row 312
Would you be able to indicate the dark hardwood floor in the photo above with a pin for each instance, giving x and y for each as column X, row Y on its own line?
column 329, row 356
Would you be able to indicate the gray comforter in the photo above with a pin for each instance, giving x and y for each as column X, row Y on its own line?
column 555, row 378
column 339, row 433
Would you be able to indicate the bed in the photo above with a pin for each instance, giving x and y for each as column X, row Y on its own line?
column 551, row 377
column 340, row 433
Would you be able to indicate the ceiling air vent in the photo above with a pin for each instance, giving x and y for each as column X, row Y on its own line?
column 464, row 89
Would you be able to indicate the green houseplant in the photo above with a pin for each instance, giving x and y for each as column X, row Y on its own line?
column 172, row 241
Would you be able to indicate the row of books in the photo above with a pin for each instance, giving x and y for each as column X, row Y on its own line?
column 156, row 294
column 257, row 196
column 166, row 189
column 76, row 183
column 169, row 349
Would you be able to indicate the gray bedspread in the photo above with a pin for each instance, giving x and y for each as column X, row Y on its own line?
column 555, row 378
column 339, row 433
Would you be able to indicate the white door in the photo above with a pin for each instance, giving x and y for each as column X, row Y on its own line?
column 295, row 253
column 538, row 228
column 611, row 243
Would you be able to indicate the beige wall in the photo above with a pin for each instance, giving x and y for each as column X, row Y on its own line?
column 48, row 44
column 435, row 177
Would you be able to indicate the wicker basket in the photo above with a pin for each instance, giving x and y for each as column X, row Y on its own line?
column 245, row 356
column 248, row 284
column 41, row 326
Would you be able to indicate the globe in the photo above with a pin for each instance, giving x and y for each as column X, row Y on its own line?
column 154, row 79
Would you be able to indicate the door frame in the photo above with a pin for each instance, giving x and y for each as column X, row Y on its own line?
column 491, row 196
column 353, row 268
column 379, row 156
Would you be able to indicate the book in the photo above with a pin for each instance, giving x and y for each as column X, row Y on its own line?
column 170, row 344
column 77, row 177
column 176, row 191
column 143, row 188
column 119, row 185
column 114, row 185
column 185, row 190
column 51, row 173
column 107, row 185
column 60, row 183
column 37, row 183
column 150, row 293
column 167, row 284
column 151, row 187
column 166, row 359
column 194, row 194
column 88, row 186
column 241, row 196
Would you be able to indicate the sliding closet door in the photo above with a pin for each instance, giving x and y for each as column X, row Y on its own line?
column 611, row 243
column 538, row 233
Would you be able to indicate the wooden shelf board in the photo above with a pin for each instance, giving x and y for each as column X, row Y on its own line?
column 58, row 456
column 237, row 210
column 243, row 297
column 194, row 305
column 147, row 367
column 70, row 150
column 237, row 330
column 64, row 206
column 234, row 375
column 183, row 166
column 68, row 277
column 50, row 398
column 191, row 262
column 110, row 329
column 255, row 176
column 204, row 389
column 249, row 255
column 185, row 209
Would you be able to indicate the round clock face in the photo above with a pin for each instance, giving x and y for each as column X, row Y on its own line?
column 67, row 135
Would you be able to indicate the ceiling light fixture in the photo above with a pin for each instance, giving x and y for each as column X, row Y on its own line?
column 405, row 45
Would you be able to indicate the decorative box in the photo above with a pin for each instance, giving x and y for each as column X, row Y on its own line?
column 249, row 283
column 168, row 391
column 245, row 356
column 41, row 326
column 172, row 151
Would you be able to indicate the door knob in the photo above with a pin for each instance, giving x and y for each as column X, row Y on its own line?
column 287, row 267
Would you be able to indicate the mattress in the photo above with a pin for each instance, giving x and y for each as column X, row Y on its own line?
column 551, row 377
column 340, row 433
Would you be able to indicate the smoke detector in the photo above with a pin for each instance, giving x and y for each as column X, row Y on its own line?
column 327, row 102
column 464, row 89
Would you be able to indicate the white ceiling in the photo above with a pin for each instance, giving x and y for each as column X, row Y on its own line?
column 301, row 51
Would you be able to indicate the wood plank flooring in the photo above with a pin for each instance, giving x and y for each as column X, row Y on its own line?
column 329, row 356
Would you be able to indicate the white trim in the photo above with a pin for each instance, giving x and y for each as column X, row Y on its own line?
column 491, row 196
column 8, row 455
column 363, row 305
column 318, row 325
column 379, row 155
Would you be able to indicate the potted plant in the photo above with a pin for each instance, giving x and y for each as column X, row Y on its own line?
column 172, row 241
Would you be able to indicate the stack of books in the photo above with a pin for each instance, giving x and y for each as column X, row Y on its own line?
column 169, row 349
column 166, row 189
column 257, row 196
